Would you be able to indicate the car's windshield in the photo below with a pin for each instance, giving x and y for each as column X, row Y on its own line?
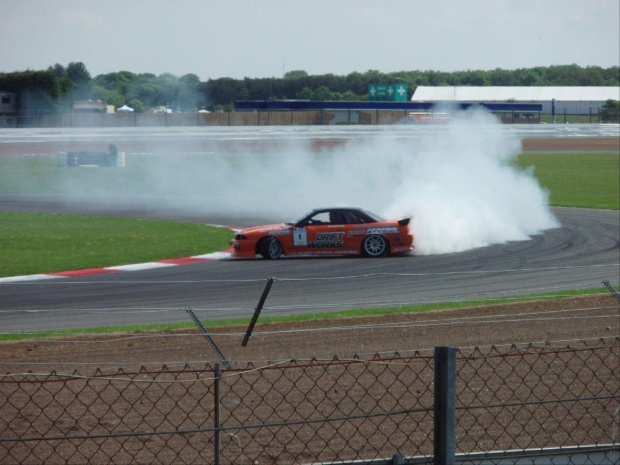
column 302, row 218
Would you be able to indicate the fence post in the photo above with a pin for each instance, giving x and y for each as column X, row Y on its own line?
column 444, row 445
column 217, row 413
column 257, row 310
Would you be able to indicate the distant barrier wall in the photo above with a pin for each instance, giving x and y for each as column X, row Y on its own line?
column 116, row 120
column 234, row 118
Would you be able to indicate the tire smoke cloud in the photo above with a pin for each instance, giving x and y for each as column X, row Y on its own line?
column 459, row 184
column 464, row 190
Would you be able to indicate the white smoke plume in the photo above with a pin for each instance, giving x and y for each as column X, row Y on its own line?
column 465, row 192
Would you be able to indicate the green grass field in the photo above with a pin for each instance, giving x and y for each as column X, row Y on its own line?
column 33, row 243
column 587, row 180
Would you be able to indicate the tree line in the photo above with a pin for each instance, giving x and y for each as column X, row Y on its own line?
column 56, row 88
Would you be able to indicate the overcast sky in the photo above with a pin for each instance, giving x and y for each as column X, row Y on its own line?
column 265, row 38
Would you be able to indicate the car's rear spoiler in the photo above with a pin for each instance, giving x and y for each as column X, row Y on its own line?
column 404, row 222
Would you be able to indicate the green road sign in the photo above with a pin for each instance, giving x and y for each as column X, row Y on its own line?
column 387, row 92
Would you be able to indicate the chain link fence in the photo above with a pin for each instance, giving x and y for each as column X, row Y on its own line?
column 540, row 401
column 555, row 403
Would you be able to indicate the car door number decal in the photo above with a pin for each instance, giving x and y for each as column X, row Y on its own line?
column 300, row 238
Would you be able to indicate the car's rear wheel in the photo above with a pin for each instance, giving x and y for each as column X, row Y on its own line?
column 271, row 248
column 375, row 246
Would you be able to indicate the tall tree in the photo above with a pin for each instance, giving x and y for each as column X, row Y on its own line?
column 59, row 70
column 296, row 74
column 77, row 72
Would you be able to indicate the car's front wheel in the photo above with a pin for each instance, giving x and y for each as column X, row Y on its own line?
column 375, row 246
column 271, row 248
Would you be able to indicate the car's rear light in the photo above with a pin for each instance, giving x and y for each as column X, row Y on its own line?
column 240, row 237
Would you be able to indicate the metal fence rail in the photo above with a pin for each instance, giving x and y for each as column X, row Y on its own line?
column 320, row 411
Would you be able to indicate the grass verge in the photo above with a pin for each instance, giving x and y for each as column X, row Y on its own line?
column 584, row 180
column 352, row 313
column 32, row 243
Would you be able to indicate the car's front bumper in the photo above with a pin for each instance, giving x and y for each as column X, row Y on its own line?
column 243, row 249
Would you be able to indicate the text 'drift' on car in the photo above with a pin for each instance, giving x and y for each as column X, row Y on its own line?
column 326, row 231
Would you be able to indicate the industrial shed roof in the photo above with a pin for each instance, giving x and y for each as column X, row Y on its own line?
column 305, row 105
column 518, row 94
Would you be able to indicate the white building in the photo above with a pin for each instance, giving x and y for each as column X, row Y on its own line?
column 569, row 100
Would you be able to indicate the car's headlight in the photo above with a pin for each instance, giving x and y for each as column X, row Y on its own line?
column 240, row 237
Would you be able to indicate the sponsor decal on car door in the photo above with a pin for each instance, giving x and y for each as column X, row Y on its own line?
column 325, row 240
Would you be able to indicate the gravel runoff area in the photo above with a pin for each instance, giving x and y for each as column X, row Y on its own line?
column 567, row 319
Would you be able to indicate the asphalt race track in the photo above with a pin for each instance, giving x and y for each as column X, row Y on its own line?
column 582, row 253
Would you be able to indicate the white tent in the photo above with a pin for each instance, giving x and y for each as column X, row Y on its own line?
column 125, row 109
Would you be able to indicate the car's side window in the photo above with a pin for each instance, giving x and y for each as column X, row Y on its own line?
column 319, row 219
column 351, row 218
column 336, row 217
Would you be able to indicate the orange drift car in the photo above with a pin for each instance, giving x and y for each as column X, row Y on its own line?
column 326, row 231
